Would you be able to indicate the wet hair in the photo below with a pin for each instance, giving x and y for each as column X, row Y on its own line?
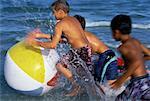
column 122, row 23
column 81, row 20
column 60, row 4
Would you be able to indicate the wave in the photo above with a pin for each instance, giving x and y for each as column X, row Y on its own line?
column 112, row 45
column 24, row 9
column 107, row 24
column 148, row 46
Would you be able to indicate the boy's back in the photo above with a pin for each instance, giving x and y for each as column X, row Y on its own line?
column 97, row 45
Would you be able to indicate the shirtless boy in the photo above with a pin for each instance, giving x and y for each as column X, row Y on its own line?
column 74, row 33
column 133, row 53
column 107, row 63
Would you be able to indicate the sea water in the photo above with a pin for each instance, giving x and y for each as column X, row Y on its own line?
column 18, row 17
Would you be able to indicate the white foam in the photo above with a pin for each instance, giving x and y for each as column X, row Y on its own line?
column 148, row 46
column 141, row 26
column 98, row 23
column 110, row 92
column 107, row 24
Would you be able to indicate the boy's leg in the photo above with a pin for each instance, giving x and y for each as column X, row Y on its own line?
column 67, row 73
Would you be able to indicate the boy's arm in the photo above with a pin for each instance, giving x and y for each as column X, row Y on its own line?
column 130, row 69
column 55, row 40
column 31, row 37
column 146, row 52
column 38, row 34
column 42, row 35
column 122, row 79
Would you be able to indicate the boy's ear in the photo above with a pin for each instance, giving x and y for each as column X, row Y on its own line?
column 61, row 11
column 117, row 31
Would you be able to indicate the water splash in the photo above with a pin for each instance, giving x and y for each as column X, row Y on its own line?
column 33, row 17
column 84, row 77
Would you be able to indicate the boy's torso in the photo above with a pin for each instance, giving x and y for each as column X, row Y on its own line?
column 73, row 32
column 133, row 57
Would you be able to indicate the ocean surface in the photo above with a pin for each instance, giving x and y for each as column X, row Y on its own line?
column 18, row 17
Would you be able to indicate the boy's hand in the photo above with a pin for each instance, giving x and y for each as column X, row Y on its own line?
column 30, row 40
column 31, row 37
column 35, row 33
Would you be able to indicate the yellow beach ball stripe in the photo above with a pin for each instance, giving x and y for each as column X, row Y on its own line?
column 31, row 61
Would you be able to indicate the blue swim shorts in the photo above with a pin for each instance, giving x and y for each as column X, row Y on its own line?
column 106, row 66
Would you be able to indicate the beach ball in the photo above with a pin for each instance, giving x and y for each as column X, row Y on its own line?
column 28, row 69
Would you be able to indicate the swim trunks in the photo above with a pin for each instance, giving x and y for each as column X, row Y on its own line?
column 137, row 90
column 80, row 59
column 106, row 66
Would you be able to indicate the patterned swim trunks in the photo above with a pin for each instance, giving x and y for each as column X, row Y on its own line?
column 80, row 59
column 137, row 90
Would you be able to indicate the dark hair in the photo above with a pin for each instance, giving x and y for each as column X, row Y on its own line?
column 81, row 20
column 121, row 23
column 60, row 4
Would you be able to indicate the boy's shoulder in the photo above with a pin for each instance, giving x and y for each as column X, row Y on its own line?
column 131, row 42
column 67, row 18
column 134, row 43
column 123, row 48
column 129, row 46
column 90, row 34
column 62, row 23
column 137, row 41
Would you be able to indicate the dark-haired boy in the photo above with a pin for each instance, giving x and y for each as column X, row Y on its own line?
column 106, row 66
column 133, row 53
column 72, row 30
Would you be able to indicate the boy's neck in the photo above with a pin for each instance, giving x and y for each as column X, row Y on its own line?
column 125, row 38
column 65, row 15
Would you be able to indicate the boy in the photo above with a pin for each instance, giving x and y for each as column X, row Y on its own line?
column 81, row 50
column 132, row 52
column 107, row 63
